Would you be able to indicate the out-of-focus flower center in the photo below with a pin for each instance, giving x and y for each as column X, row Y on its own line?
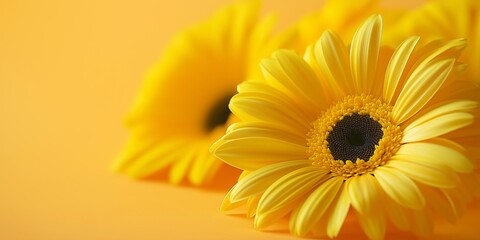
column 218, row 114
column 354, row 136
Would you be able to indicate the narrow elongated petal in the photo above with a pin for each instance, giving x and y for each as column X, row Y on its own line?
column 258, row 181
column 294, row 76
column 396, row 66
column 438, row 126
column 451, row 107
column 204, row 166
column 331, row 55
column 436, row 49
column 339, row 213
column 264, row 88
column 263, row 221
column 374, row 225
column 367, row 198
column 284, row 194
column 263, row 129
column 364, row 53
column 268, row 108
column 400, row 188
column 313, row 209
column 431, row 175
column 156, row 159
column 252, row 204
column 180, row 168
column 255, row 152
column 432, row 154
column 229, row 205
column 364, row 193
column 420, row 88
column 290, row 187
column 300, row 73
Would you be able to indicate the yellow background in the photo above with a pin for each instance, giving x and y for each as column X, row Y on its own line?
column 68, row 73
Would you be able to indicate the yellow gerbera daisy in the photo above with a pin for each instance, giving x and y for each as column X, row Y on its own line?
column 183, row 106
column 446, row 19
column 361, row 130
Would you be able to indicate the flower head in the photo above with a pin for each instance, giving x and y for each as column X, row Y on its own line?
column 359, row 130
column 183, row 106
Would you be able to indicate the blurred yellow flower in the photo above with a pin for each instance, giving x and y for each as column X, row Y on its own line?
column 183, row 106
column 342, row 16
column 359, row 130
column 445, row 19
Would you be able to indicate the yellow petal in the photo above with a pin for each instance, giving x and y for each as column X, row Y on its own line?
column 449, row 107
column 156, row 159
column 431, row 154
column 227, row 204
column 180, row 167
column 364, row 53
column 255, row 152
column 289, row 72
column 431, row 175
column 396, row 66
column 339, row 213
column 367, row 199
column 320, row 230
column 301, row 75
column 331, row 57
column 437, row 112
column 420, row 87
column 313, row 209
column 243, row 174
column 374, row 225
column 400, row 188
column 252, row 204
column 283, row 195
column 438, row 126
column 269, row 108
column 264, row 129
column 435, row 49
column 204, row 167
column 365, row 193
column 258, row 181
column 263, row 88
column 262, row 221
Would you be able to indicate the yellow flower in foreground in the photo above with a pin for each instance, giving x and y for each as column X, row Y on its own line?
column 361, row 130
column 446, row 19
column 183, row 106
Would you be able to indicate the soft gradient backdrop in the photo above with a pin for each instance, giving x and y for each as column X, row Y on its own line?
column 68, row 73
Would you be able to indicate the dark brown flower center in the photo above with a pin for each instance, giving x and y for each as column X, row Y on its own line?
column 218, row 114
column 354, row 137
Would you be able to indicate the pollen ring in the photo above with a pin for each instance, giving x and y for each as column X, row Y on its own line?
column 354, row 136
